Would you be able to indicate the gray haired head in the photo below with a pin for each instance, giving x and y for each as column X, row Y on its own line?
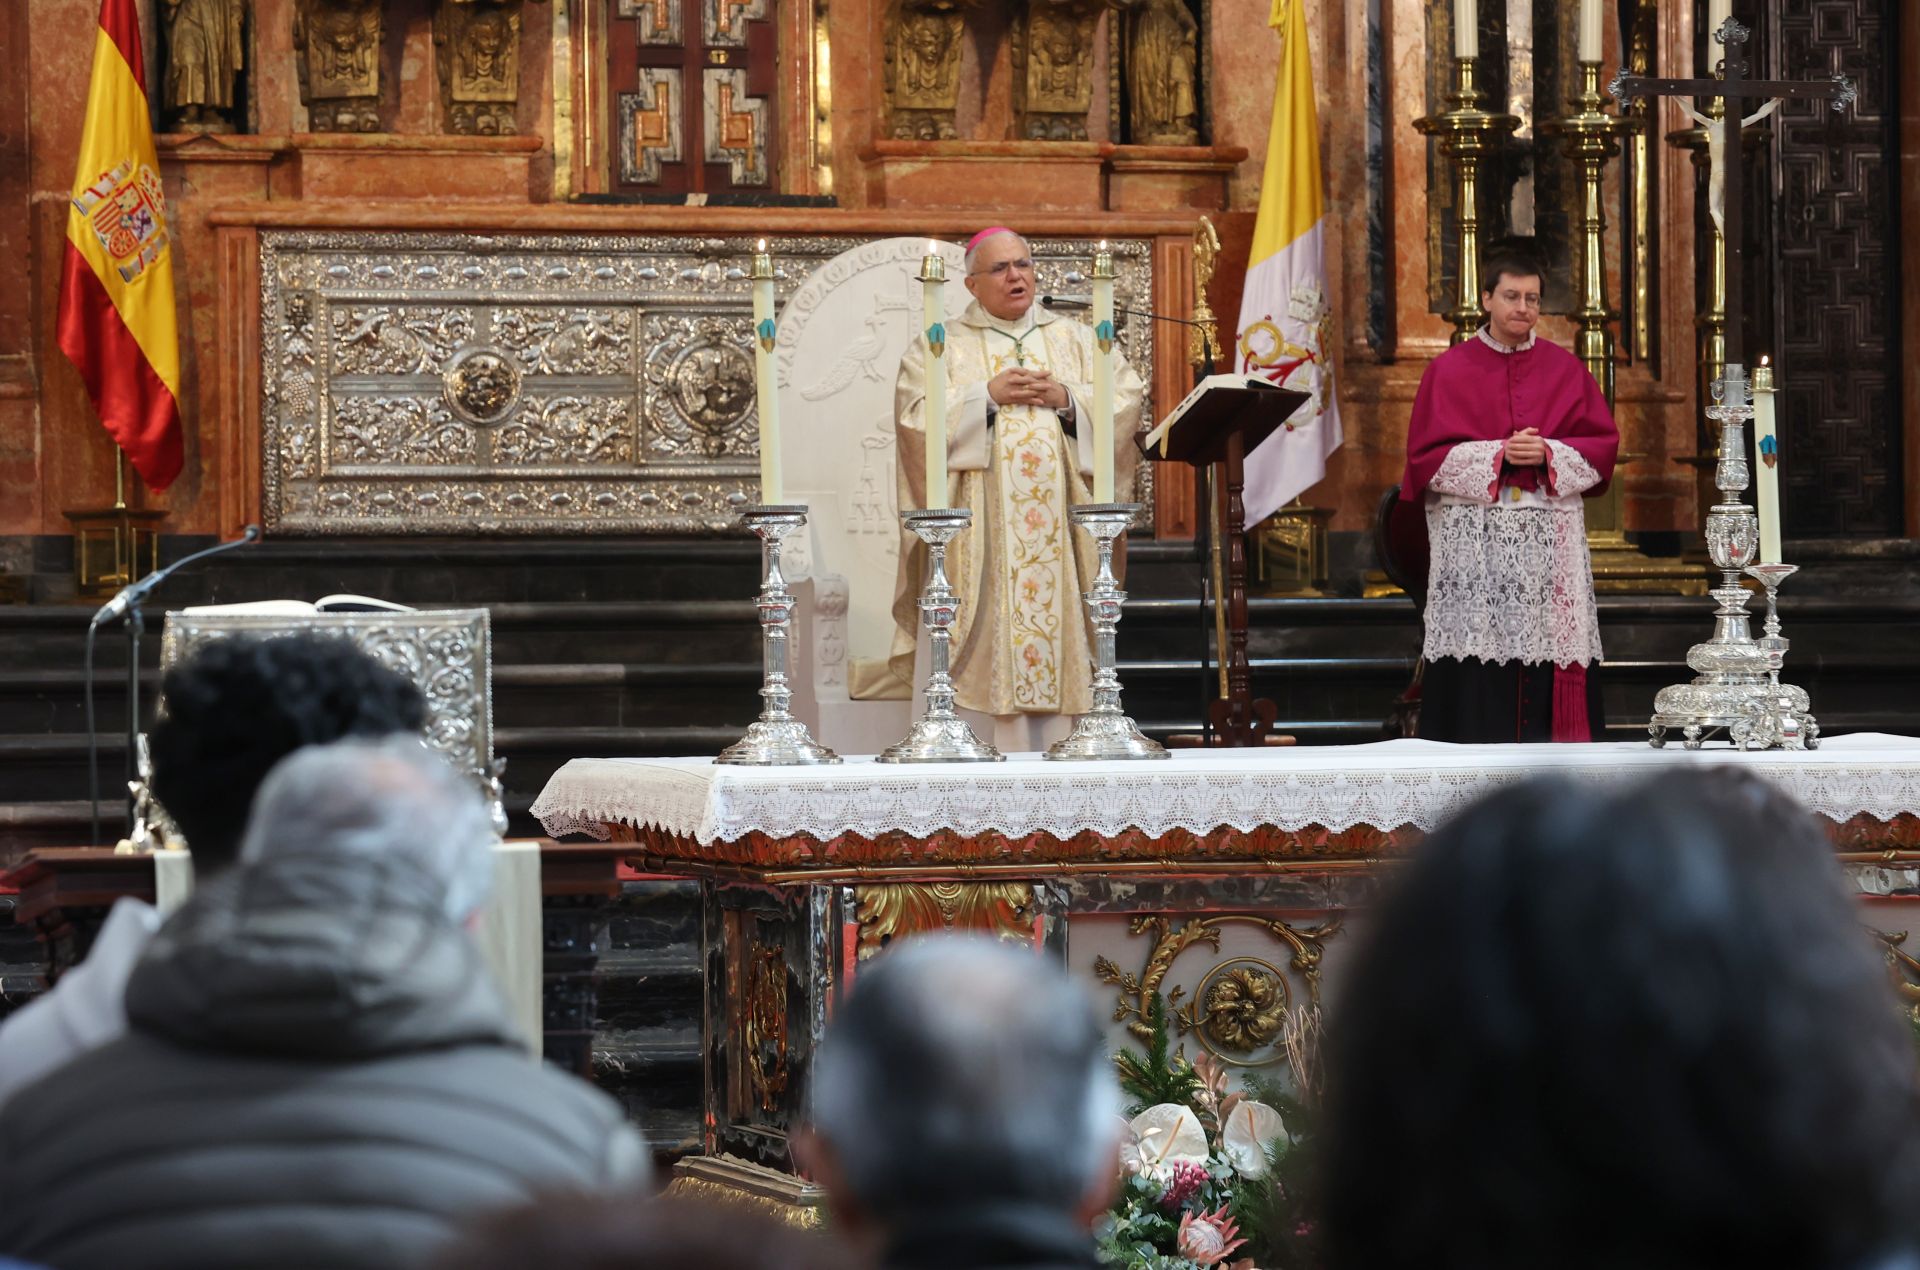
column 394, row 799
column 974, row 249
column 960, row 1070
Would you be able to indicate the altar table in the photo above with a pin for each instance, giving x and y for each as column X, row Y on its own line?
column 1216, row 879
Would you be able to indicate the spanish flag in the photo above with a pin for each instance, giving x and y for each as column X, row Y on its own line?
column 116, row 288
column 1286, row 328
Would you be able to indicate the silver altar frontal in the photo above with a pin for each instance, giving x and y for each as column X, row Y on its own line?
column 1105, row 731
column 939, row 735
column 1737, row 686
column 776, row 738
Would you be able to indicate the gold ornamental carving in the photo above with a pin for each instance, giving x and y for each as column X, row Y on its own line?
column 1053, row 68
column 206, row 51
column 923, row 41
column 1162, row 69
column 1241, row 1007
column 888, row 911
column 765, row 1024
column 1205, row 333
column 482, row 384
column 336, row 44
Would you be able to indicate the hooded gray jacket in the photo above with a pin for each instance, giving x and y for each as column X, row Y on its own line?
column 319, row 1072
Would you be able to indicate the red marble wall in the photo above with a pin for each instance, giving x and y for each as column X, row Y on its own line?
column 53, row 454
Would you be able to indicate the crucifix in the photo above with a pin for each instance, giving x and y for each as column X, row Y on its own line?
column 1734, row 88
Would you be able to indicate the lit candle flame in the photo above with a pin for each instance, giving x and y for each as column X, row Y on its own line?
column 1763, row 359
column 933, row 248
column 761, row 246
column 1103, row 244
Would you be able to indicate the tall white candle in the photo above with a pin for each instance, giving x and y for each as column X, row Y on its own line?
column 1103, row 375
column 933, row 312
column 1766, row 476
column 763, row 381
column 1466, row 28
column 1589, row 50
column 1718, row 11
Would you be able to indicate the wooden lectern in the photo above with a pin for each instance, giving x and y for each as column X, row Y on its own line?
column 1220, row 422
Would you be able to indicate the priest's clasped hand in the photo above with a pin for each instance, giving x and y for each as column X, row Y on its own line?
column 1526, row 448
column 1019, row 386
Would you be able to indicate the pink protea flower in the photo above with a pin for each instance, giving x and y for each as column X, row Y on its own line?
column 1209, row 1238
column 1185, row 1181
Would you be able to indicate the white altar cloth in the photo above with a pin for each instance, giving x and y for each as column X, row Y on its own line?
column 1386, row 784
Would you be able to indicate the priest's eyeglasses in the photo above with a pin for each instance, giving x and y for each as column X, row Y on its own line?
column 999, row 268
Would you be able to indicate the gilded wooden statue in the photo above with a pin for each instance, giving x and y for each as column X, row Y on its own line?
column 1162, row 41
column 478, row 42
column 206, row 52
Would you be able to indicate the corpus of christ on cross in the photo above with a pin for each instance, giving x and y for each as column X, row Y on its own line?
column 1734, row 88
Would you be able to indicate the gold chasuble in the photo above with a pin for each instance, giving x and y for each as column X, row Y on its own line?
column 1020, row 643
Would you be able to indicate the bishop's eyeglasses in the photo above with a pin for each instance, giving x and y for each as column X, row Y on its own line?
column 999, row 269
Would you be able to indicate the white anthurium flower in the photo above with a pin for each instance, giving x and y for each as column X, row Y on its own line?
column 1169, row 1134
column 1243, row 1139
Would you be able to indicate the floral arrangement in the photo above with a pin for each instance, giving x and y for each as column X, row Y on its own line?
column 1211, row 1178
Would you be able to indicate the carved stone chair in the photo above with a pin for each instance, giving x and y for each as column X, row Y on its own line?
column 447, row 652
column 842, row 334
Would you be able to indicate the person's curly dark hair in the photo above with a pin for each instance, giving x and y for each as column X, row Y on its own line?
column 239, row 705
column 1642, row 1028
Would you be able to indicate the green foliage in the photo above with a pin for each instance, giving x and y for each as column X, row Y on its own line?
column 1156, row 1076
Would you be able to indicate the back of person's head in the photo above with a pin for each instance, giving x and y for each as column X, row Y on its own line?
column 1642, row 1028
column 1511, row 258
column 960, row 1072
column 365, row 804
column 239, row 705
column 579, row 1232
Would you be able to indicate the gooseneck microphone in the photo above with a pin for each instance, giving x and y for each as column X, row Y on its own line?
column 1086, row 302
column 126, row 605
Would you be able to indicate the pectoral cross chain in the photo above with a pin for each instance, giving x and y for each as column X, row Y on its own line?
column 1735, row 89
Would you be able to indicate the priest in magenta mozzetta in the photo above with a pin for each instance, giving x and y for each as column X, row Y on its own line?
column 1509, row 434
column 1019, row 454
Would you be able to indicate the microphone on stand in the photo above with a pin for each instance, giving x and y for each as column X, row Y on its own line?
column 1203, row 497
column 127, row 605
column 1060, row 302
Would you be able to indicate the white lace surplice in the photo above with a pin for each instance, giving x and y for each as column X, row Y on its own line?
column 1510, row 578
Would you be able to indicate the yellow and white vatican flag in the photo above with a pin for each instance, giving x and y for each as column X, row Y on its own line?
column 1286, row 328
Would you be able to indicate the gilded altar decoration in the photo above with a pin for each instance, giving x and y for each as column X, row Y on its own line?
column 1053, row 68
column 482, row 384
column 1162, row 61
column 923, row 68
column 888, row 911
column 735, row 127
column 659, row 20
column 765, row 1032
column 206, row 51
column 337, row 59
column 1203, row 338
column 478, row 46
column 1241, row 1007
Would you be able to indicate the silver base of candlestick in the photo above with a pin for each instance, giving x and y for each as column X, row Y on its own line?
column 1105, row 731
column 939, row 735
column 776, row 738
column 1738, row 688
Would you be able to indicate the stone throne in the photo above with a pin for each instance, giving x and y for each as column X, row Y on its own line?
column 842, row 334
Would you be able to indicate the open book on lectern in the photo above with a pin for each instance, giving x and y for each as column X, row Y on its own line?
column 1219, row 398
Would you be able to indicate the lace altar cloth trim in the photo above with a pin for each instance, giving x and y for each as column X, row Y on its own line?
column 1386, row 785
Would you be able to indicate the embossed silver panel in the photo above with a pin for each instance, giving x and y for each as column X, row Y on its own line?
column 419, row 383
column 448, row 653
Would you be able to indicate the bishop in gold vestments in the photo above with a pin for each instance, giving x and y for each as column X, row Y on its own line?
column 1019, row 454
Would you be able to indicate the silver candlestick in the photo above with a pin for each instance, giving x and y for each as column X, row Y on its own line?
column 1105, row 731
column 940, row 735
column 1786, row 723
column 1735, row 688
column 776, row 738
